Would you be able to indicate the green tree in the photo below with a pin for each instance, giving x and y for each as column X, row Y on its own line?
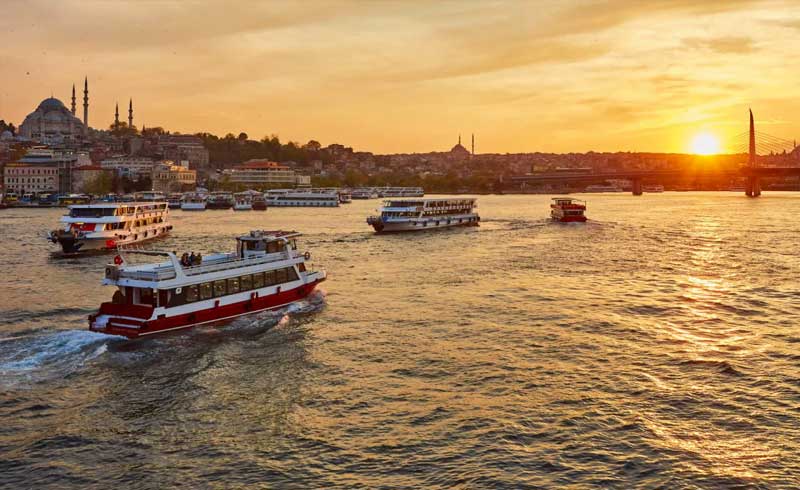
column 101, row 184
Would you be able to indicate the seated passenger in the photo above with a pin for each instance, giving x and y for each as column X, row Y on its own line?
column 198, row 258
column 191, row 259
column 185, row 260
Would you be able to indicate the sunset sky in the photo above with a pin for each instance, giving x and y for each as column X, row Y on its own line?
column 409, row 76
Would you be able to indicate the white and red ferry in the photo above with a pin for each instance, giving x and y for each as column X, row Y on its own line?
column 266, row 271
column 105, row 226
column 568, row 210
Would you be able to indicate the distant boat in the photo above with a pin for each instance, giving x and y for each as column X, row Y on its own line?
column 568, row 210
column 653, row 188
column 603, row 188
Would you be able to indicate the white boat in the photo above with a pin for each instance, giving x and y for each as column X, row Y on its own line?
column 603, row 188
column 401, row 192
column 653, row 188
column 242, row 202
column 363, row 193
column 266, row 271
column 194, row 202
column 424, row 214
column 150, row 196
column 106, row 226
column 295, row 198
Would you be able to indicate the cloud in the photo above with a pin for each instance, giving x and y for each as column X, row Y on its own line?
column 723, row 45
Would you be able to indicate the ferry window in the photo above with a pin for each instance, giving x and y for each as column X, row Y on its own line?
column 272, row 247
column 280, row 276
column 146, row 296
column 301, row 266
column 206, row 290
column 291, row 273
column 269, row 278
column 163, row 297
column 191, row 293
column 258, row 280
column 233, row 285
column 246, row 283
column 219, row 287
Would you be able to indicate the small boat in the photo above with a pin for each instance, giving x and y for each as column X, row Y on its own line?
column 266, row 271
column 301, row 198
column 220, row 200
column 259, row 203
column 242, row 202
column 193, row 201
column 568, row 210
column 106, row 226
column 174, row 201
column 424, row 214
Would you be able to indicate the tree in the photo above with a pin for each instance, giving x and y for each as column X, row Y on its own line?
column 102, row 184
column 242, row 137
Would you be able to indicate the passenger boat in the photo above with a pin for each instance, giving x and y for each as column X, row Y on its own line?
column 567, row 210
column 259, row 203
column 266, row 271
column 243, row 202
column 364, row 193
column 220, row 200
column 150, row 196
column 603, row 188
column 106, row 226
column 401, row 192
column 194, row 201
column 174, row 200
column 294, row 198
column 424, row 214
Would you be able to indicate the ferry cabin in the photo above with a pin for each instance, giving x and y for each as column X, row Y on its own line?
column 286, row 198
column 265, row 272
column 421, row 214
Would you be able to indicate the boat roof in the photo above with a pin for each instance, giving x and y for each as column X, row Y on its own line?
column 117, row 204
column 428, row 199
column 268, row 235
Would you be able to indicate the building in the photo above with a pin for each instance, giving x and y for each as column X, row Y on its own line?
column 131, row 167
column 263, row 173
column 183, row 148
column 25, row 178
column 168, row 177
column 65, row 162
column 84, row 176
column 52, row 124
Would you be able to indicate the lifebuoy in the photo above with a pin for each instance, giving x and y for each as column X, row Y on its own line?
column 118, row 260
column 307, row 255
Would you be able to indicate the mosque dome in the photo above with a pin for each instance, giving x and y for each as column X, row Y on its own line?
column 51, row 104
column 52, row 123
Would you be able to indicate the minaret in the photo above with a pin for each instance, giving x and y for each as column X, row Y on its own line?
column 86, row 103
column 752, row 157
column 73, row 99
column 116, row 117
column 473, row 144
column 459, row 138
column 130, row 113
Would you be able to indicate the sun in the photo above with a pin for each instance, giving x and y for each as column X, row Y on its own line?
column 705, row 144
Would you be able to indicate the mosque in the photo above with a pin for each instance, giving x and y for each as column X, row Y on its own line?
column 52, row 123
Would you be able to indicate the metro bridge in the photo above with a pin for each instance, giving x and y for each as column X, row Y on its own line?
column 751, row 171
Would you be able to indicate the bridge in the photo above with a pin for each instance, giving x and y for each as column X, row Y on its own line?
column 751, row 172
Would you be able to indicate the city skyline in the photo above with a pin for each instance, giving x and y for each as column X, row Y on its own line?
column 392, row 77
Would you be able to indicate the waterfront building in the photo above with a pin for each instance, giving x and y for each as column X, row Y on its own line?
column 168, row 177
column 260, row 173
column 132, row 167
column 25, row 178
column 33, row 172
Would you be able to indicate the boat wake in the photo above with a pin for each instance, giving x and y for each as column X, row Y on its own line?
column 49, row 355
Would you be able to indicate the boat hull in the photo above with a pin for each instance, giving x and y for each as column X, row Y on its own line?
column 130, row 327
column 187, row 206
column 71, row 244
column 421, row 225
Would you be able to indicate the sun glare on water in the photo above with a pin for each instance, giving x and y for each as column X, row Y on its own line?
column 705, row 144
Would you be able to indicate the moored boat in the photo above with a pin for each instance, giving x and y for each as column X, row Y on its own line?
column 568, row 210
column 243, row 202
column 194, row 201
column 424, row 214
column 174, row 201
column 220, row 200
column 106, row 226
column 266, row 271
column 259, row 203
